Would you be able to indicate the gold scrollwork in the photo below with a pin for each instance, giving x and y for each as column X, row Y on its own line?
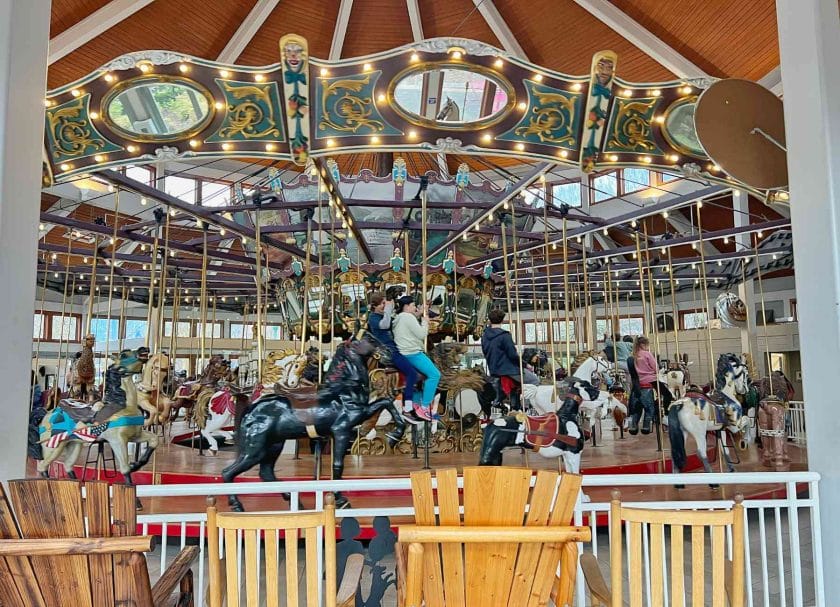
column 548, row 121
column 245, row 117
column 632, row 127
column 353, row 111
column 72, row 132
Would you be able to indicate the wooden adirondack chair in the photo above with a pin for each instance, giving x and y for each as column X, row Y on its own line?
column 727, row 576
column 499, row 554
column 48, row 559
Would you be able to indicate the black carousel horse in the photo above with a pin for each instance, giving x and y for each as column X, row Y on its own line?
column 554, row 435
column 343, row 404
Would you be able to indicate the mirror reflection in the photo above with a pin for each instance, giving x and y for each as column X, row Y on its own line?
column 157, row 109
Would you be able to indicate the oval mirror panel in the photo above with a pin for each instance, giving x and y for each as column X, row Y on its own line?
column 157, row 109
column 679, row 127
column 470, row 96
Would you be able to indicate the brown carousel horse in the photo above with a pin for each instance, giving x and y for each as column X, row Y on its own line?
column 150, row 395
column 189, row 394
column 84, row 372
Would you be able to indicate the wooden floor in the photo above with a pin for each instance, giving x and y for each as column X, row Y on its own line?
column 174, row 464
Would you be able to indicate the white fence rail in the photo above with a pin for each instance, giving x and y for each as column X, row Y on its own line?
column 796, row 422
column 783, row 547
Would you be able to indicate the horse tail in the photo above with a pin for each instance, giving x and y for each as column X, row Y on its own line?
column 201, row 411
column 675, row 433
column 495, row 439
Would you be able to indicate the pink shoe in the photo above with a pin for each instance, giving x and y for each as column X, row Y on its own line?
column 422, row 412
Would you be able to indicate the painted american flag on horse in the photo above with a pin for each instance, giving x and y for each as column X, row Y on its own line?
column 88, row 434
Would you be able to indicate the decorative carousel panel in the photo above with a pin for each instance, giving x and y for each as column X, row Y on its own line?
column 71, row 134
column 345, row 106
column 252, row 112
column 553, row 116
column 631, row 126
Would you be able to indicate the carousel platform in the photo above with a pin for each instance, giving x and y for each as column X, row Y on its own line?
column 174, row 464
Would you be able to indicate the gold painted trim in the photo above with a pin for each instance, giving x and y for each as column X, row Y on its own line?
column 125, row 85
column 431, row 66
column 664, row 129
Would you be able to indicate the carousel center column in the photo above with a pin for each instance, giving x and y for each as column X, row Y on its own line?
column 809, row 41
column 24, row 40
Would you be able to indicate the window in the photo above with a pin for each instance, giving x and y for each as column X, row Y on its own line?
column 38, row 326
column 534, row 197
column 694, row 320
column 536, row 332
column 183, row 328
column 568, row 193
column 560, row 331
column 217, row 329
column 273, row 332
column 635, row 179
column 605, row 186
column 182, row 364
column 100, row 365
column 236, row 330
column 509, row 328
column 99, row 327
column 772, row 309
column 215, row 194
column 141, row 174
column 64, row 328
column 407, row 94
column 631, row 326
column 135, row 329
column 666, row 177
column 181, row 187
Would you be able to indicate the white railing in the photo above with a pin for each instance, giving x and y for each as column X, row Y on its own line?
column 778, row 518
column 796, row 421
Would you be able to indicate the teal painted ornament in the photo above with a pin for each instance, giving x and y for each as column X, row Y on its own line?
column 238, row 194
column 332, row 167
column 462, row 177
column 488, row 270
column 274, row 181
column 399, row 172
column 397, row 262
column 343, row 262
column 297, row 267
column 449, row 263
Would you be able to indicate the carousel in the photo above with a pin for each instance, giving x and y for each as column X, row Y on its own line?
column 240, row 218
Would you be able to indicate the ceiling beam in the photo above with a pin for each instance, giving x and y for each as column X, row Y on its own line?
column 642, row 38
column 414, row 17
column 508, row 195
column 685, row 228
column 500, row 28
column 92, row 26
column 203, row 213
column 773, row 80
column 340, row 31
column 246, row 31
column 335, row 190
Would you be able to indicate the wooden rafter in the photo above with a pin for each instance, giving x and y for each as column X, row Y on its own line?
column 500, row 28
column 247, row 30
column 340, row 31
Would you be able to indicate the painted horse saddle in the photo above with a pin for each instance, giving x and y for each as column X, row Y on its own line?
column 222, row 402
column 540, row 430
column 80, row 411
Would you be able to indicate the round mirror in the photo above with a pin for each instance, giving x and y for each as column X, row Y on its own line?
column 679, row 127
column 470, row 96
column 158, row 108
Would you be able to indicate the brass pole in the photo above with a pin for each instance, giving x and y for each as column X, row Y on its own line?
column 763, row 316
column 550, row 314
column 322, row 299
column 67, row 341
column 176, row 313
column 149, row 306
column 676, row 312
column 213, row 325
column 304, row 332
column 43, row 328
column 507, row 284
column 519, row 337
column 407, row 264
column 645, row 321
column 423, row 244
column 111, row 273
column 64, row 313
column 587, row 302
column 162, row 289
column 565, row 295
column 92, row 284
column 705, row 288
column 121, row 328
column 203, row 298
column 258, row 255
column 652, row 295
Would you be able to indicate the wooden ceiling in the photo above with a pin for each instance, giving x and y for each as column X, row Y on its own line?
column 724, row 38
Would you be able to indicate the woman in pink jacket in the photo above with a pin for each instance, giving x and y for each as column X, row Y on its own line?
column 647, row 369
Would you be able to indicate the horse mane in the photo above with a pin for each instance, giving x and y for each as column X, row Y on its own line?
column 723, row 365
column 340, row 370
column 581, row 358
column 114, row 393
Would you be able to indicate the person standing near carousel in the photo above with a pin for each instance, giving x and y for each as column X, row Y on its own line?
column 646, row 368
column 380, row 323
column 503, row 359
column 410, row 336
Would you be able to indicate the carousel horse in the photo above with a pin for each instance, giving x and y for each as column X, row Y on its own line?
column 554, row 435
column 83, row 372
column 343, row 403
column 450, row 112
column 151, row 397
column 779, row 386
column 697, row 414
column 117, row 421
column 588, row 367
column 674, row 375
column 190, row 393
column 221, row 410
column 538, row 360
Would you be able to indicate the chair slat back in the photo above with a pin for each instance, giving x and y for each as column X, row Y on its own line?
column 237, row 575
column 52, row 509
column 479, row 574
column 651, row 527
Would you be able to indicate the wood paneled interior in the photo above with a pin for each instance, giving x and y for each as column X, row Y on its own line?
column 455, row 18
column 726, row 39
column 67, row 13
column 564, row 36
column 376, row 25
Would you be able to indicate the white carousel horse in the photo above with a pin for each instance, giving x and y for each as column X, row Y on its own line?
column 216, row 415
column 450, row 112
column 699, row 414
column 541, row 398
column 675, row 376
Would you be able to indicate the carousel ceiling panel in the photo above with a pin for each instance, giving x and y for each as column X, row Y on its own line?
column 67, row 13
column 455, row 18
column 563, row 36
column 726, row 39
column 375, row 26
column 160, row 25
column 315, row 21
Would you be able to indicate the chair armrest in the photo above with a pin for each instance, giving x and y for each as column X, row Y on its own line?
column 594, row 578
column 80, row 545
column 177, row 570
column 401, row 556
column 346, row 595
column 411, row 534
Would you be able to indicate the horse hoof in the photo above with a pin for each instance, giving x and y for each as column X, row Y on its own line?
column 286, row 496
column 341, row 501
column 138, row 505
column 235, row 505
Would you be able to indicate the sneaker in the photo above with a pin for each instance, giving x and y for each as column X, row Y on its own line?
column 411, row 418
column 422, row 412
